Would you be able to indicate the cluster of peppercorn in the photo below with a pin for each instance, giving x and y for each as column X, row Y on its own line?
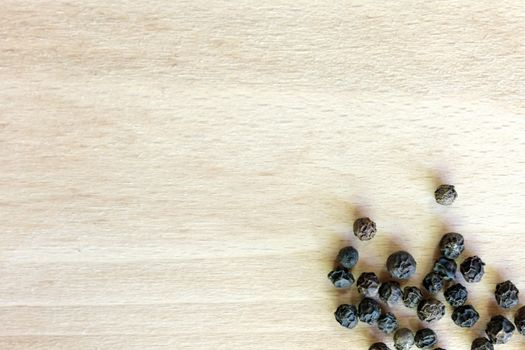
column 401, row 267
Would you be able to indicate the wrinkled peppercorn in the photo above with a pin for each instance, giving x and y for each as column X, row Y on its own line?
column 482, row 344
column 445, row 194
column 456, row 295
column 346, row 315
column 341, row 277
column 519, row 320
column 401, row 265
column 364, row 229
column 452, row 245
column 412, row 296
column 347, row 257
column 387, row 323
column 368, row 284
column 390, row 292
column 465, row 316
column 433, row 283
column 446, row 268
column 499, row 330
column 507, row 294
column 425, row 338
column 379, row 346
column 403, row 339
column 430, row 310
column 472, row 269
column 369, row 311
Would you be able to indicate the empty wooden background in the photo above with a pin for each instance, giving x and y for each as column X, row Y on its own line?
column 180, row 174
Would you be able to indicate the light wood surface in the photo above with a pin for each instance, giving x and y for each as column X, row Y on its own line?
column 181, row 174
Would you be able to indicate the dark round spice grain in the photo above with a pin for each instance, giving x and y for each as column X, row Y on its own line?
column 347, row 257
column 439, row 349
column 433, row 282
column 519, row 320
column 445, row 194
column 341, row 277
column 403, row 339
column 425, row 338
column 369, row 311
column 390, row 292
column 472, row 269
column 499, row 330
column 364, row 229
column 465, row 316
column 387, row 323
column 481, row 344
column 412, row 296
column 401, row 265
column 368, row 284
column 346, row 315
column 507, row 295
column 446, row 268
column 430, row 310
column 456, row 295
column 378, row 346
column 452, row 245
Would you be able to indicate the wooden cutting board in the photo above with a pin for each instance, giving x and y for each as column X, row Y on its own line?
column 181, row 174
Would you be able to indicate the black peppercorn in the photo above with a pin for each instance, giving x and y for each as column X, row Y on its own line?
column 430, row 310
column 401, row 265
column 472, row 269
column 446, row 268
column 379, row 346
column 465, row 316
column 368, row 310
column 347, row 257
column 425, row 338
column 412, row 296
column 499, row 330
column 519, row 320
column 341, row 277
column 433, row 283
column 482, row 344
column 368, row 284
column 364, row 229
column 403, row 339
column 445, row 194
column 390, row 292
column 452, row 245
column 387, row 323
column 456, row 295
column 346, row 315
column 507, row 294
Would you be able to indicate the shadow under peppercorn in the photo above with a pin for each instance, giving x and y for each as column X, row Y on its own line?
column 491, row 305
column 359, row 212
column 438, row 176
column 373, row 334
column 439, row 229
column 442, row 229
